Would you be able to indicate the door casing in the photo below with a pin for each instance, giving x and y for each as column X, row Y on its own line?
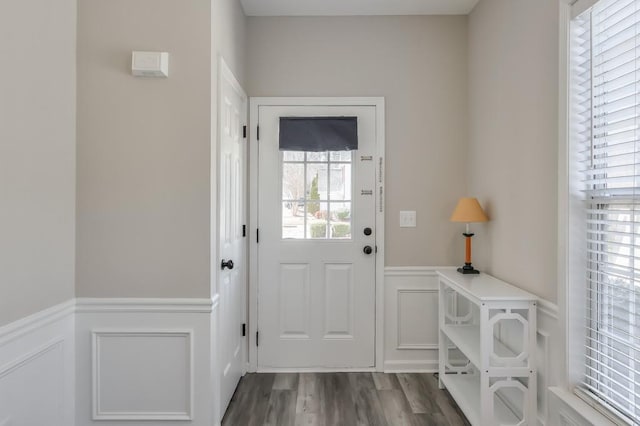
column 255, row 103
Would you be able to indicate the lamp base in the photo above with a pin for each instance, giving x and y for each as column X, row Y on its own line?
column 468, row 269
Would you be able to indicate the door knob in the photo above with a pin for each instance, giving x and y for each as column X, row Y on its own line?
column 226, row 264
column 367, row 250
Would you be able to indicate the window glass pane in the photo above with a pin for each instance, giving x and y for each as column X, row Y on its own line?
column 293, row 218
column 293, row 155
column 292, row 181
column 316, row 182
column 318, row 228
column 340, row 181
column 340, row 155
column 310, row 181
column 340, row 220
column 317, row 156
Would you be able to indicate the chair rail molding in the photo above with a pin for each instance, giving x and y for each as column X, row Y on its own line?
column 142, row 305
column 36, row 321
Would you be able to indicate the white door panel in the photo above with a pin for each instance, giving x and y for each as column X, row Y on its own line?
column 316, row 285
column 231, row 278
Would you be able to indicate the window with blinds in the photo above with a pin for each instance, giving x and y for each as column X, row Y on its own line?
column 605, row 137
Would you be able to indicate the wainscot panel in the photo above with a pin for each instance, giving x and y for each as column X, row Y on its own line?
column 145, row 360
column 411, row 319
column 37, row 369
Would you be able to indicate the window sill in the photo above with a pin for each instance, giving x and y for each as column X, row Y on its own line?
column 580, row 409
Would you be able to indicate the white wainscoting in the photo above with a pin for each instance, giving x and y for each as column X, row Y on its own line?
column 128, row 363
column 411, row 319
column 37, row 372
column 142, row 360
column 411, row 329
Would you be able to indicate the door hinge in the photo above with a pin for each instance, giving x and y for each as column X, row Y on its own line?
column 258, row 132
column 244, row 230
column 244, row 132
column 257, row 338
column 244, row 330
column 257, row 235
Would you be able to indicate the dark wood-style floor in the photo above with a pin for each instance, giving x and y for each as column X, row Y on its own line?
column 341, row 399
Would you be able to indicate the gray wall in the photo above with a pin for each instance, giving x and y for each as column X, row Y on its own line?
column 419, row 64
column 144, row 145
column 513, row 139
column 459, row 121
column 37, row 155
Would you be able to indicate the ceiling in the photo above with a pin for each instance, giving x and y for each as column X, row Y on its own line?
column 356, row 7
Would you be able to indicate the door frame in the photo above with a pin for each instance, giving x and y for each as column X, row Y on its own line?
column 255, row 103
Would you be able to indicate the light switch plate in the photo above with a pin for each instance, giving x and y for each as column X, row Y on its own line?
column 408, row 219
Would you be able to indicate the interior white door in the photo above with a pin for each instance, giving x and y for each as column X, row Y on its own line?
column 232, row 265
column 317, row 244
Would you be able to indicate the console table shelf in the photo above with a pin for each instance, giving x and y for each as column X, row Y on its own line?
column 465, row 389
column 482, row 372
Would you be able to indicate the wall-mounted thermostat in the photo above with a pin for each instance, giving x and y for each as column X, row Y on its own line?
column 150, row 64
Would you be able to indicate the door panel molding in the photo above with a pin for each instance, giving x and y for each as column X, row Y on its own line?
column 253, row 133
column 294, row 301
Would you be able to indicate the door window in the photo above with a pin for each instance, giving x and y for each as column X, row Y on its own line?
column 316, row 194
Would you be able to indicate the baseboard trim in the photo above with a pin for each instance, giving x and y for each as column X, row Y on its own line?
column 402, row 366
column 315, row 370
column 35, row 321
column 145, row 305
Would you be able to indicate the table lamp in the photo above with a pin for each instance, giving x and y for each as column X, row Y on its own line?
column 468, row 211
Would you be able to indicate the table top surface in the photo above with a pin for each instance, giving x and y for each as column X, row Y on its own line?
column 484, row 287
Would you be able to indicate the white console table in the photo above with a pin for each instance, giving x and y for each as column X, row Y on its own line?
column 492, row 381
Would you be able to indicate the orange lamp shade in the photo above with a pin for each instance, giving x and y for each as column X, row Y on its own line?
column 468, row 210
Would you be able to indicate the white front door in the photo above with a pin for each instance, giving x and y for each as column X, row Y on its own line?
column 317, row 247
column 231, row 252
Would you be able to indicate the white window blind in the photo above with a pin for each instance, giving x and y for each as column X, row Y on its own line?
column 606, row 138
